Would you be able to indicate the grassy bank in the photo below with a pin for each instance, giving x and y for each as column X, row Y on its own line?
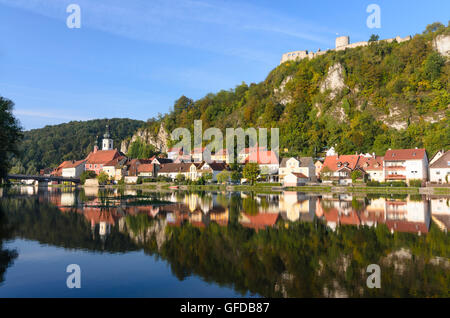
column 270, row 188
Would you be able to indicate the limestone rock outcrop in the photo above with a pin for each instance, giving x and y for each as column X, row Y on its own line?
column 159, row 141
column 442, row 44
column 334, row 80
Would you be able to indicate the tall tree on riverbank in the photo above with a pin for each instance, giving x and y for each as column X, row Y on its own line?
column 10, row 135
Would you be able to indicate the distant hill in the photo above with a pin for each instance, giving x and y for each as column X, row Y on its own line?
column 49, row 146
column 366, row 99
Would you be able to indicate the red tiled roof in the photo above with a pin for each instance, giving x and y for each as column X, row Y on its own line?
column 262, row 157
column 146, row 167
column 331, row 162
column 102, row 156
column 115, row 161
column 404, row 154
column 371, row 163
column 58, row 171
column 74, row 164
column 299, row 175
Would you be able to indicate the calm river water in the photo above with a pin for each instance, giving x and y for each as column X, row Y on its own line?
column 221, row 244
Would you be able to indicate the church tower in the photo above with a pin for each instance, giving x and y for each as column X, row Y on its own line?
column 107, row 143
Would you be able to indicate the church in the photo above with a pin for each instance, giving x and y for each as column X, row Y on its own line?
column 98, row 158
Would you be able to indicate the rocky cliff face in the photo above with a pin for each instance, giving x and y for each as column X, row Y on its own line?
column 442, row 44
column 157, row 230
column 334, row 80
column 159, row 141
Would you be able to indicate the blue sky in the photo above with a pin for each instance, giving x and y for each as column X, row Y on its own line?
column 134, row 58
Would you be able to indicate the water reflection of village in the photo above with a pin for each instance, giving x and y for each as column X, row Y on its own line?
column 401, row 213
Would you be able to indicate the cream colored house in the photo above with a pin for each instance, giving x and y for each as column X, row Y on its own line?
column 116, row 168
column 440, row 168
column 303, row 165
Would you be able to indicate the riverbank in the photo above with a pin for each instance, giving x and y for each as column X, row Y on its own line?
column 276, row 189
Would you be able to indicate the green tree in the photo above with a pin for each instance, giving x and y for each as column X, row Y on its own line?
column 180, row 178
column 102, row 178
column 433, row 27
column 433, row 65
column 355, row 175
column 10, row 136
column 88, row 174
column 235, row 176
column 223, row 176
column 374, row 38
column 251, row 172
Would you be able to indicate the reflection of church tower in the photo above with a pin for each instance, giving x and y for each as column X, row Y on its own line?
column 107, row 143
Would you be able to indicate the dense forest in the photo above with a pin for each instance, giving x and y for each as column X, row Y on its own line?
column 49, row 146
column 394, row 95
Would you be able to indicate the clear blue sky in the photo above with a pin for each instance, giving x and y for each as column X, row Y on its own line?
column 134, row 58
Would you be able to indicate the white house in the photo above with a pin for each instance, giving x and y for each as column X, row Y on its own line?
column 73, row 169
column 304, row 165
column 373, row 166
column 440, row 168
column 294, row 179
column 405, row 165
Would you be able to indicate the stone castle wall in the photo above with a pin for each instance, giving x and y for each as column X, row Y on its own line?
column 342, row 43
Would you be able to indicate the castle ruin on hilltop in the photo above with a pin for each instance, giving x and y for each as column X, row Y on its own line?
column 342, row 43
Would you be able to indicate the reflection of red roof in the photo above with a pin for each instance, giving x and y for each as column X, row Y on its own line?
column 404, row 154
column 406, row 226
column 102, row 156
column 350, row 219
column 97, row 215
column 331, row 162
column 261, row 220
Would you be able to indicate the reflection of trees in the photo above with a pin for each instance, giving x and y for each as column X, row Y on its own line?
column 250, row 205
column 6, row 256
column 308, row 260
column 45, row 223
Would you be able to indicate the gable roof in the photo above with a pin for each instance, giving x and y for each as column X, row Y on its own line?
column 146, row 167
column 442, row 162
column 73, row 164
column 177, row 167
column 299, row 175
column 262, row 157
column 371, row 163
column 102, row 156
column 216, row 166
column 404, row 154
column 332, row 162
column 115, row 161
